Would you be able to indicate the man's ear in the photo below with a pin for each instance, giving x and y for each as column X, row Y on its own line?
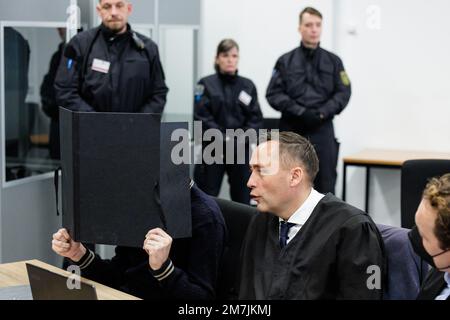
column 297, row 176
column 130, row 8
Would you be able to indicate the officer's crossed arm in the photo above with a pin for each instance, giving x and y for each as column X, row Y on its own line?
column 341, row 95
column 277, row 94
column 67, row 81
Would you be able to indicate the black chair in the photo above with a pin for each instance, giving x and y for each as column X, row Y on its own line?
column 415, row 175
column 237, row 218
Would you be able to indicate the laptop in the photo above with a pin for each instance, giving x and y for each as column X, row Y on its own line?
column 47, row 285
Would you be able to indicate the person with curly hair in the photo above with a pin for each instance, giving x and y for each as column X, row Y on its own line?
column 431, row 238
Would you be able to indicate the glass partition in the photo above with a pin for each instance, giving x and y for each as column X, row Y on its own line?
column 31, row 55
column 144, row 29
column 178, row 49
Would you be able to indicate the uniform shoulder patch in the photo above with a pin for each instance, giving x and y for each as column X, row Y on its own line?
column 274, row 72
column 199, row 91
column 344, row 78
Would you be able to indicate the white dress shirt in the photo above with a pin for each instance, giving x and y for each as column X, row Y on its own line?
column 303, row 213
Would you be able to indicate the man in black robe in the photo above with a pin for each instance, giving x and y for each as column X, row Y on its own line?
column 310, row 246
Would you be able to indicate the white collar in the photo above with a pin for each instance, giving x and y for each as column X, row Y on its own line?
column 302, row 214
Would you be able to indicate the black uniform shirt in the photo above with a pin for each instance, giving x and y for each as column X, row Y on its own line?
column 227, row 102
column 305, row 78
column 105, row 72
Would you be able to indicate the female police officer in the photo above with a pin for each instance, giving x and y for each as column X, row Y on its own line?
column 224, row 101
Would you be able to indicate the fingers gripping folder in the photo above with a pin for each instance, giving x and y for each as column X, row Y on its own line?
column 118, row 180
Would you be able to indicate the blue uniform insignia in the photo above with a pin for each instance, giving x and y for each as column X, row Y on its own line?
column 274, row 72
column 199, row 91
column 69, row 64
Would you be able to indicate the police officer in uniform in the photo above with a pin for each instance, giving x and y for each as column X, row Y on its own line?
column 111, row 68
column 224, row 101
column 309, row 86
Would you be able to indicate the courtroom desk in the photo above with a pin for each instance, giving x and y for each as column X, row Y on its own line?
column 15, row 274
column 385, row 159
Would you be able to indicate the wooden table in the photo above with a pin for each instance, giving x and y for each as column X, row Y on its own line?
column 15, row 274
column 386, row 159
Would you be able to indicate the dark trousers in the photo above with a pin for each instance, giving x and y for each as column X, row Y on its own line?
column 327, row 149
column 209, row 179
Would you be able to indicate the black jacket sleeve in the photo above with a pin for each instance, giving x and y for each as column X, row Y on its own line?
column 202, row 108
column 108, row 272
column 199, row 279
column 277, row 93
column 159, row 90
column 48, row 97
column 67, row 83
column 341, row 96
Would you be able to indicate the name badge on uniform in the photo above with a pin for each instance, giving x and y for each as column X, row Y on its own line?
column 245, row 98
column 101, row 66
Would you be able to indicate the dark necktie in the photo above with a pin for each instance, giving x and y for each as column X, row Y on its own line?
column 284, row 230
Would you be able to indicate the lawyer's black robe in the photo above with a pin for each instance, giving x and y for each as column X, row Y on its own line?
column 327, row 259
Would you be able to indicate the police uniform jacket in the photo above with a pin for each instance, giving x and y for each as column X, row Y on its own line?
column 105, row 72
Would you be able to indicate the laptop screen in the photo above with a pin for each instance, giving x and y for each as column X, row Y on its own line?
column 47, row 285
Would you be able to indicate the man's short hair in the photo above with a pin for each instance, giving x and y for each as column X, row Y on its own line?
column 295, row 150
column 311, row 11
column 437, row 192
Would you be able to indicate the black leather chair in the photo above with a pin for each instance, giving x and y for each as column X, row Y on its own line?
column 415, row 175
column 237, row 217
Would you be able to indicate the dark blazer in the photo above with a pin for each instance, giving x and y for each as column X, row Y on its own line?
column 432, row 286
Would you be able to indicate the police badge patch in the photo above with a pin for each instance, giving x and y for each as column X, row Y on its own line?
column 344, row 78
column 199, row 91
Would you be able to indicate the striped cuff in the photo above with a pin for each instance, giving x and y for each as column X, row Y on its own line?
column 165, row 271
column 86, row 260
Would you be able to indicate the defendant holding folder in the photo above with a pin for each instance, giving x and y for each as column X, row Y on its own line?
column 184, row 269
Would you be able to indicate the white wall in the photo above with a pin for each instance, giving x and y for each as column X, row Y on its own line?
column 179, row 70
column 400, row 74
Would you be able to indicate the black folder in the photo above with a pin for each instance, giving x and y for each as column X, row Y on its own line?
column 117, row 183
